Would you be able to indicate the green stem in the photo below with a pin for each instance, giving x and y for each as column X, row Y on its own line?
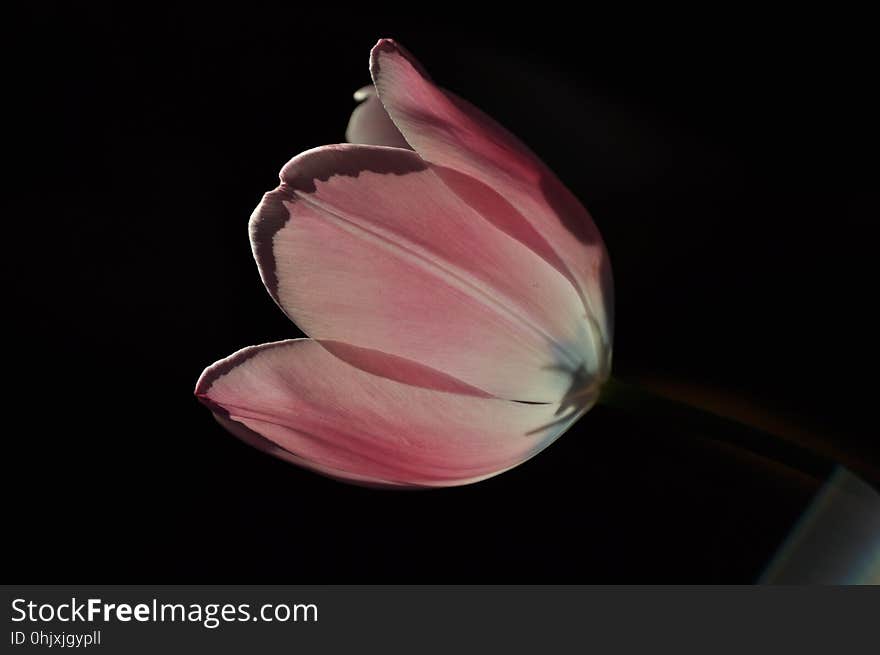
column 628, row 397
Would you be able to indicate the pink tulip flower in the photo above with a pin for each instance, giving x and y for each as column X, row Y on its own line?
column 457, row 298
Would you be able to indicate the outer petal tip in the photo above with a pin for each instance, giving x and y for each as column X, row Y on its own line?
column 391, row 48
column 220, row 368
column 385, row 44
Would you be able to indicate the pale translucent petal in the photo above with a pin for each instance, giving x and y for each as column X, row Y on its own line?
column 369, row 123
column 367, row 246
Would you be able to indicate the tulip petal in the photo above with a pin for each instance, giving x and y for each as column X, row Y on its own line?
column 369, row 123
column 449, row 132
column 300, row 402
column 367, row 246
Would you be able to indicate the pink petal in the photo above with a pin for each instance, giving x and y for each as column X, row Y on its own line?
column 369, row 123
column 449, row 132
column 298, row 401
column 367, row 246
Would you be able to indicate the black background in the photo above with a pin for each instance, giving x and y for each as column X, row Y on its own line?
column 727, row 160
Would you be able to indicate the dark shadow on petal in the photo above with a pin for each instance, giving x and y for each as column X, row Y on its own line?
column 569, row 209
column 400, row 369
column 498, row 211
column 580, row 393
